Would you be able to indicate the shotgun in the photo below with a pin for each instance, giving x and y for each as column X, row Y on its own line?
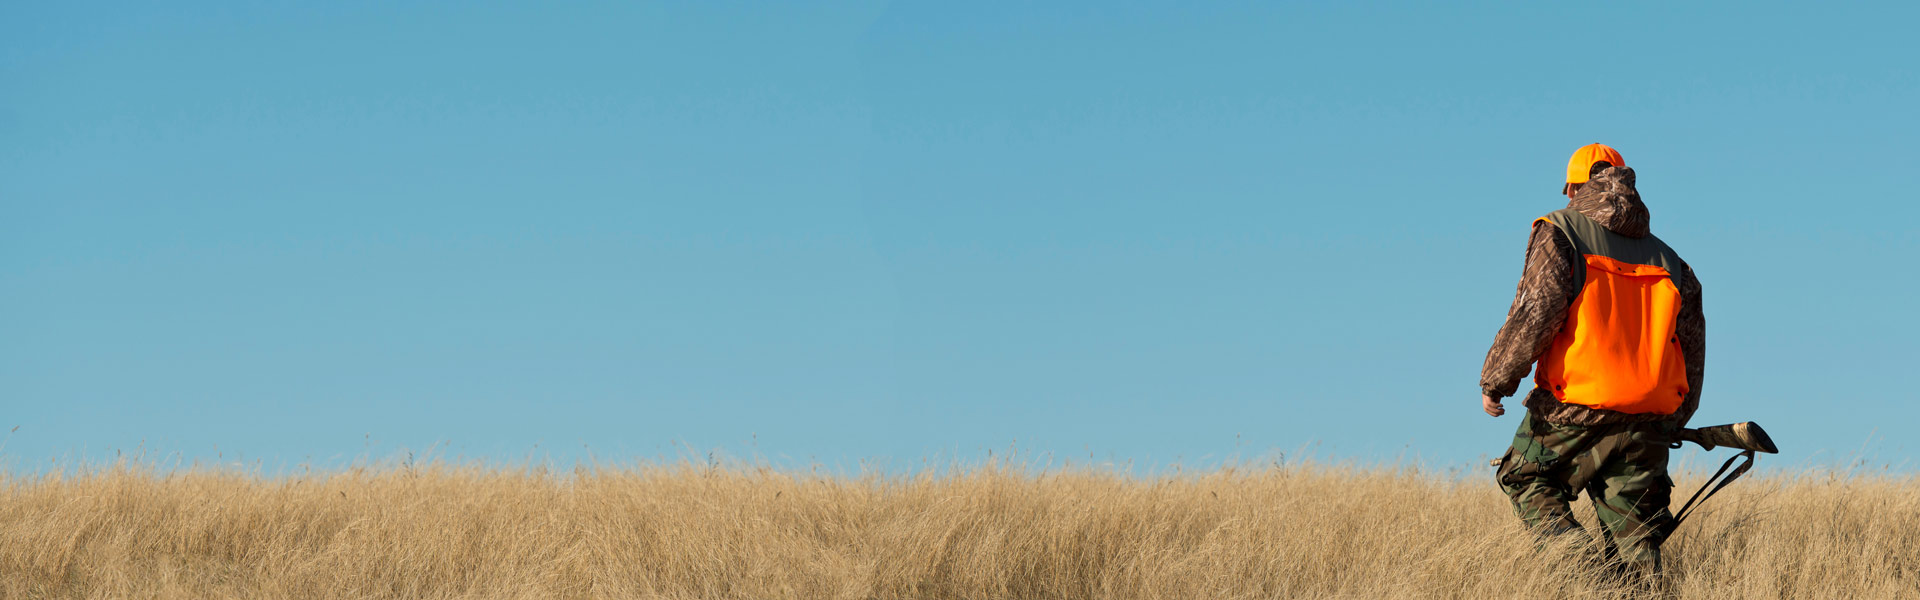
column 1743, row 436
column 1747, row 437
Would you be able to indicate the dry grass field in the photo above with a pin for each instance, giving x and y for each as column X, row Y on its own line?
column 702, row 531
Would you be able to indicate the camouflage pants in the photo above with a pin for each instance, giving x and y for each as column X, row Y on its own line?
column 1623, row 469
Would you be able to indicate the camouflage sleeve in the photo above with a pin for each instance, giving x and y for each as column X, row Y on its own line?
column 1547, row 288
column 1691, row 329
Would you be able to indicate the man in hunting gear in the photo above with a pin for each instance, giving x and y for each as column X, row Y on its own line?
column 1612, row 316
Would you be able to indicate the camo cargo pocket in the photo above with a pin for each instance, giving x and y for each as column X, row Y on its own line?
column 1537, row 439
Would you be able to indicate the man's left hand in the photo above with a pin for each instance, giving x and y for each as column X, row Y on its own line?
column 1492, row 405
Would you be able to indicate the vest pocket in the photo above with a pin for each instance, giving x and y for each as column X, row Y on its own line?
column 1617, row 351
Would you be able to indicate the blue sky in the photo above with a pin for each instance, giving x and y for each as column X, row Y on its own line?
column 1116, row 231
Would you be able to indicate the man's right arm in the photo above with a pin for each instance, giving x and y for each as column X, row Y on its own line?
column 1691, row 332
column 1546, row 290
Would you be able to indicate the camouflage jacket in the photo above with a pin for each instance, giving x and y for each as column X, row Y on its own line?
column 1550, row 282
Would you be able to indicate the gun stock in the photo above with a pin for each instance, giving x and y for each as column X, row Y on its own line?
column 1745, row 436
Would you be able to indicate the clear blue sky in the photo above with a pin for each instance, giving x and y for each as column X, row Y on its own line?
column 892, row 232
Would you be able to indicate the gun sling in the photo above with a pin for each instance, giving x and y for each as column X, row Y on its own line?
column 1687, row 509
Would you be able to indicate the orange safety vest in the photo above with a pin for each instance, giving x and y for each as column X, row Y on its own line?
column 1617, row 350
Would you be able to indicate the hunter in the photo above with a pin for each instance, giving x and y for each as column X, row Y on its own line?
column 1612, row 316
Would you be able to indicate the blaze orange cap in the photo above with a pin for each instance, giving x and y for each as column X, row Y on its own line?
column 1583, row 159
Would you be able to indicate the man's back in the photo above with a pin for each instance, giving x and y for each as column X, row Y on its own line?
column 1551, row 282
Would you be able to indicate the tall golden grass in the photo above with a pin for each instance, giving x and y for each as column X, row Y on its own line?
column 691, row 530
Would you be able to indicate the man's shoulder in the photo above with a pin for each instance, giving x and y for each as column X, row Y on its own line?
column 1548, row 234
column 1655, row 238
column 1558, row 216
